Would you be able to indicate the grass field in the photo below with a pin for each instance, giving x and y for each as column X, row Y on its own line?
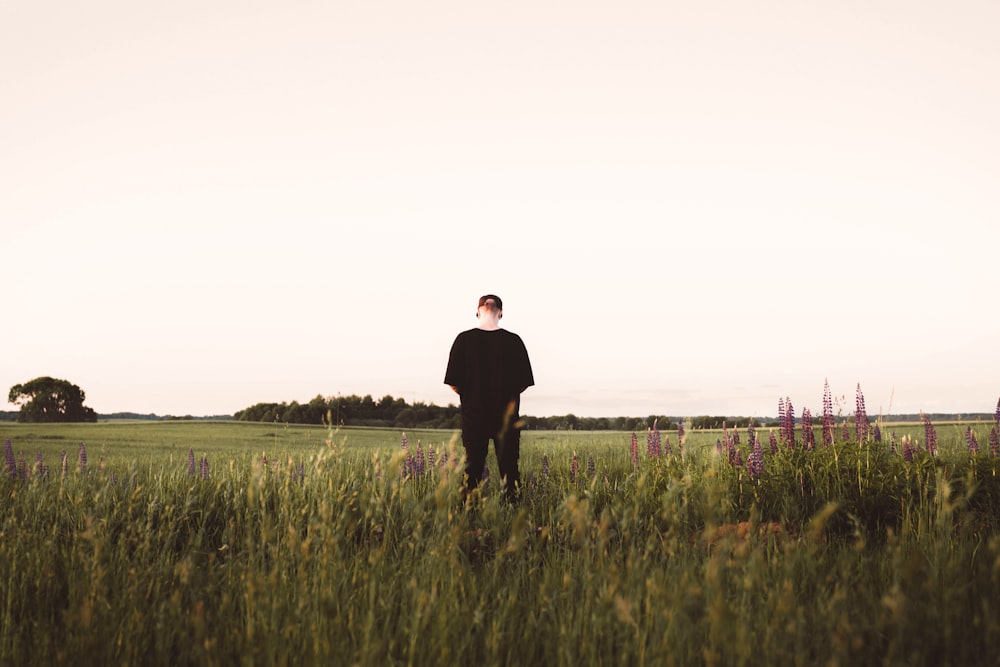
column 297, row 545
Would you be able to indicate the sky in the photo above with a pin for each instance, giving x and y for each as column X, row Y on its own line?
column 688, row 208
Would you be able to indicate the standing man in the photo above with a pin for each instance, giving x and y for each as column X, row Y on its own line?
column 488, row 368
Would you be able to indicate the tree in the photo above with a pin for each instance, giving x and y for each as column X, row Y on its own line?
column 46, row 399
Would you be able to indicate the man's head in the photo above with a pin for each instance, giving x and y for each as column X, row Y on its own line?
column 490, row 302
column 490, row 311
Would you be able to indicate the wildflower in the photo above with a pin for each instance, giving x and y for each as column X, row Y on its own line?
column 772, row 441
column 755, row 462
column 656, row 439
column 203, row 466
column 994, row 443
column 545, row 467
column 8, row 450
column 431, row 462
column 877, row 434
column 892, row 442
column 861, row 427
column 635, row 451
column 808, row 436
column 83, row 457
column 573, row 469
column 930, row 435
column 650, row 447
column 419, row 463
column 907, row 449
column 190, row 462
column 827, row 415
column 789, row 423
column 591, row 467
column 971, row 442
column 680, row 432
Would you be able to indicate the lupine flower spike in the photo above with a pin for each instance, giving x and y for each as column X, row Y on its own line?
column 634, row 451
column 827, row 415
column 8, row 451
column 860, row 417
column 930, row 435
column 971, row 442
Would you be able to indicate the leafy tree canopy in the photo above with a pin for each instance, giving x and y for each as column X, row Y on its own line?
column 46, row 399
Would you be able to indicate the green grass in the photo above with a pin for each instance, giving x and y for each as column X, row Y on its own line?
column 844, row 556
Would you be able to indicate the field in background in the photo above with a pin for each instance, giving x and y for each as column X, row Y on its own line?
column 298, row 545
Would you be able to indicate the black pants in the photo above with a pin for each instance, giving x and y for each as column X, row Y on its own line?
column 506, row 442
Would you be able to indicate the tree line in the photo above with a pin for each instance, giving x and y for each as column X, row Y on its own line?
column 393, row 412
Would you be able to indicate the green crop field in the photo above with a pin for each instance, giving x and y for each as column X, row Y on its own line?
column 226, row 543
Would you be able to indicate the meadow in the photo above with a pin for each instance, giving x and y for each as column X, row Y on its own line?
column 221, row 543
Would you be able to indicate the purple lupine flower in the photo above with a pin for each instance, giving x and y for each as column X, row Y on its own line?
column 781, row 418
column 751, row 432
column 657, row 443
column 808, row 436
column 930, row 435
column 755, row 461
column 892, row 442
column 907, row 449
column 573, row 469
column 996, row 415
column 827, row 415
column 634, row 451
column 83, row 457
column 431, row 457
column 789, row 423
column 772, row 441
column 971, row 442
column 545, row 468
column 994, row 442
column 591, row 467
column 191, row 462
column 845, row 433
column 650, row 447
column 861, row 426
column 877, row 434
column 8, row 450
column 203, row 467
column 420, row 463
column 680, row 431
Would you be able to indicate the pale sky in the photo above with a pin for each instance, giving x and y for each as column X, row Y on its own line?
column 688, row 208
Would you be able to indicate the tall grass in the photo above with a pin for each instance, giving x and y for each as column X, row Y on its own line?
column 335, row 552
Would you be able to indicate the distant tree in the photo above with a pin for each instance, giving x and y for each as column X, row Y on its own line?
column 46, row 399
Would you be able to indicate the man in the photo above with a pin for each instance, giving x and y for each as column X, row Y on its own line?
column 489, row 368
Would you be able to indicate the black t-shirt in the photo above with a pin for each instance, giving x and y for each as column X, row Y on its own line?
column 490, row 369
